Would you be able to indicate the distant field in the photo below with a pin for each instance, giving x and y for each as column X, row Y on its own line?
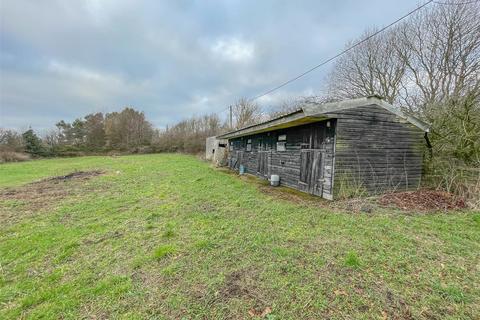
column 169, row 237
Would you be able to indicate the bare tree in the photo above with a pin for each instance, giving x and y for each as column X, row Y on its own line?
column 245, row 113
column 441, row 50
column 294, row 104
column 456, row 127
column 11, row 140
column 286, row 106
column 3, row 135
column 189, row 135
column 431, row 57
column 52, row 139
column 372, row 68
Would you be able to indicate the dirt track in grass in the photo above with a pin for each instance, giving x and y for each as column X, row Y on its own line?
column 45, row 193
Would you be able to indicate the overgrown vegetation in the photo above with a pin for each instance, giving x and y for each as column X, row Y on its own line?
column 428, row 65
column 189, row 135
column 166, row 236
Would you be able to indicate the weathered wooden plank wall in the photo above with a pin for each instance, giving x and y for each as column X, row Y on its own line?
column 286, row 163
column 376, row 150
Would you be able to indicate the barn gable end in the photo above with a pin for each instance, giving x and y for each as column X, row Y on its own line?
column 376, row 151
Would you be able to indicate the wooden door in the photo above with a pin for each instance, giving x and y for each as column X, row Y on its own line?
column 264, row 147
column 311, row 170
column 262, row 161
column 240, row 159
column 236, row 160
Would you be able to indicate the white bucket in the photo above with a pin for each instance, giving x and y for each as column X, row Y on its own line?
column 274, row 180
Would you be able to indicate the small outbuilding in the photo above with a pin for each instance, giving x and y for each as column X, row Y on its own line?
column 215, row 150
column 334, row 149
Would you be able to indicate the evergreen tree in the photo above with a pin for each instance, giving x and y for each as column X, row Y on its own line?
column 33, row 144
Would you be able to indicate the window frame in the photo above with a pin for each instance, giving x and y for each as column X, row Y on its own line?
column 281, row 144
column 248, row 146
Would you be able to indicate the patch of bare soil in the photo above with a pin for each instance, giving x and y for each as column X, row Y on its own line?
column 341, row 283
column 238, row 284
column 107, row 236
column 74, row 175
column 42, row 194
column 242, row 284
column 205, row 207
column 423, row 200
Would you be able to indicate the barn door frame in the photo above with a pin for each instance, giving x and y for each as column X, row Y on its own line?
column 264, row 156
column 262, row 163
column 237, row 161
column 312, row 170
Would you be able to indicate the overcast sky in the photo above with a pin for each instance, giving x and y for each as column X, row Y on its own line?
column 170, row 59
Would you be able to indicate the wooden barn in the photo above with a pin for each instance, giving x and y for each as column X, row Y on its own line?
column 334, row 149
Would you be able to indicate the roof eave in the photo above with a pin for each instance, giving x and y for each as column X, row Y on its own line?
column 289, row 120
column 413, row 120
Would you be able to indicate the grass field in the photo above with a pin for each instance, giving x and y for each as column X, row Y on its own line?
column 169, row 237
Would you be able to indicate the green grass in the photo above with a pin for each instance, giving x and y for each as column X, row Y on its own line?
column 169, row 237
column 164, row 251
column 352, row 260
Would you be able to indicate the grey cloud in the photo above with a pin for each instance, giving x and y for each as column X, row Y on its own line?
column 171, row 59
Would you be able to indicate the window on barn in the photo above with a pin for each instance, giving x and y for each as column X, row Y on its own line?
column 261, row 146
column 249, row 145
column 282, row 142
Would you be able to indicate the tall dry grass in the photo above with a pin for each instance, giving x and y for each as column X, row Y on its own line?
column 455, row 177
column 12, row 156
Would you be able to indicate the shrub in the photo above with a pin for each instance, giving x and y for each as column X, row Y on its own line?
column 349, row 185
column 12, row 156
column 454, row 176
column 455, row 129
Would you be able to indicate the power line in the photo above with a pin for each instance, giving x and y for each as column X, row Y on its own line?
column 455, row 3
column 339, row 54
column 350, row 48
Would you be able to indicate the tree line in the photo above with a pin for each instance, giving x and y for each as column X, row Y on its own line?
column 189, row 135
column 125, row 131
